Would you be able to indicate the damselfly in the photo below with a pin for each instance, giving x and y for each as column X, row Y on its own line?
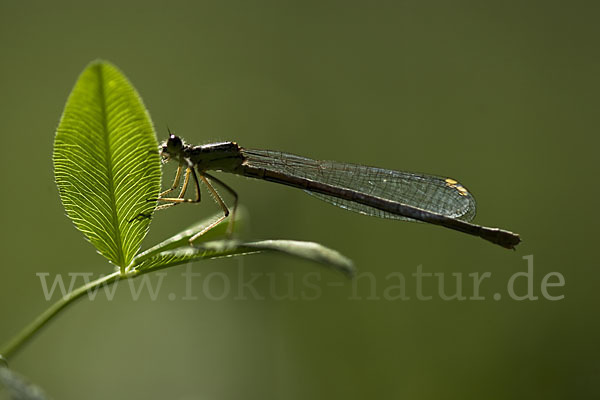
column 367, row 190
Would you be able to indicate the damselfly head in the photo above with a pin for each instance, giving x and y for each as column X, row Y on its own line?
column 171, row 148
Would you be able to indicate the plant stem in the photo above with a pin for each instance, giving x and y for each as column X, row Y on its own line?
column 8, row 349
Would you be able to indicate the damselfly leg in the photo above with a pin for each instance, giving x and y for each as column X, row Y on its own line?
column 181, row 199
column 206, row 179
column 175, row 184
column 235, row 201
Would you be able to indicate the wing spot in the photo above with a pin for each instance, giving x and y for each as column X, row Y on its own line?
column 455, row 185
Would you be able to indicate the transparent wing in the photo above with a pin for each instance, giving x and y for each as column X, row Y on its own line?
column 431, row 193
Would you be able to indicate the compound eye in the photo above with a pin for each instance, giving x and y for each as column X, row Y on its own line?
column 174, row 144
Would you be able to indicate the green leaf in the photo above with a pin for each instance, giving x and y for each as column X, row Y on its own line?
column 181, row 239
column 186, row 254
column 176, row 250
column 106, row 162
column 226, row 248
column 307, row 250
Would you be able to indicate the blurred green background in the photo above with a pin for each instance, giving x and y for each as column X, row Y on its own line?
column 500, row 95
